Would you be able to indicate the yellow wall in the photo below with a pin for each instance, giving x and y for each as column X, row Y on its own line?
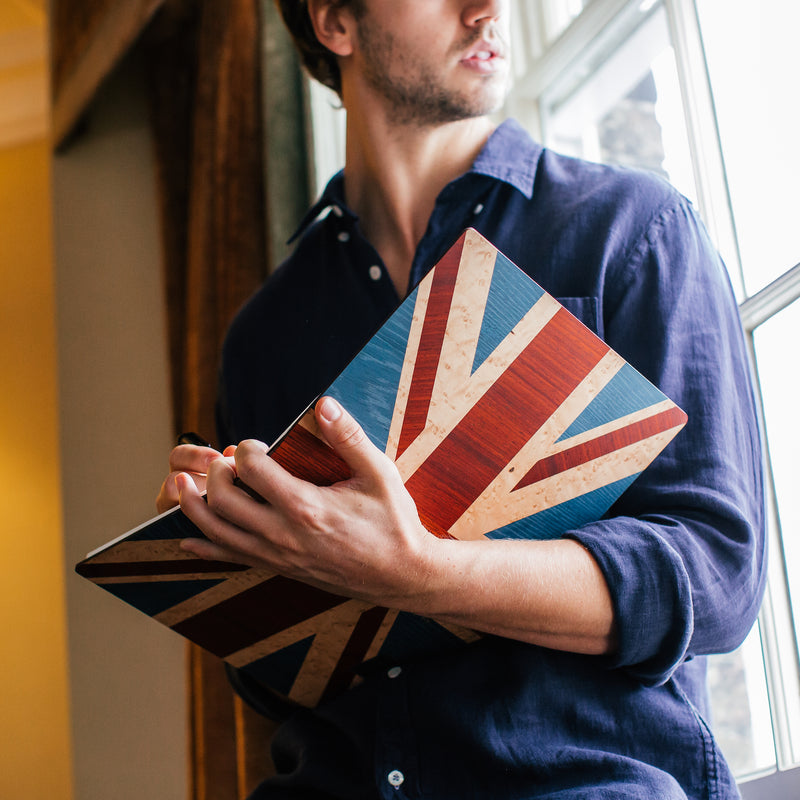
column 34, row 722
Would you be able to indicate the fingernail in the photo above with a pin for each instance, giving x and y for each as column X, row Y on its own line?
column 330, row 409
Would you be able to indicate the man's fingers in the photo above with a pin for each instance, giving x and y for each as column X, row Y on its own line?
column 347, row 438
column 188, row 458
column 168, row 495
column 265, row 479
column 229, row 542
column 192, row 458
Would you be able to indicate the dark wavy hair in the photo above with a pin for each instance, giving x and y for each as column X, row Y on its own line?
column 321, row 63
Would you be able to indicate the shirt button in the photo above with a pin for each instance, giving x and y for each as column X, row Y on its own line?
column 478, row 208
column 395, row 778
column 344, row 236
column 375, row 272
column 394, row 672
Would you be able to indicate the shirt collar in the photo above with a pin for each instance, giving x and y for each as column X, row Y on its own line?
column 332, row 197
column 509, row 155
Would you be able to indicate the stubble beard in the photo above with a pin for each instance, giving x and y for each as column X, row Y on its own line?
column 414, row 95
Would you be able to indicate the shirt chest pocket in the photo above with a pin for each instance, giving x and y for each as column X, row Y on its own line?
column 587, row 310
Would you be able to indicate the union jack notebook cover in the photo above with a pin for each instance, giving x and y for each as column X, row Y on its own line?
column 506, row 417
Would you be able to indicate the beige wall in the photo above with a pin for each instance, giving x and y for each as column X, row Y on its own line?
column 34, row 727
column 127, row 671
column 92, row 693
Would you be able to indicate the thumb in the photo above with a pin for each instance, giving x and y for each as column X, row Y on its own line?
column 347, row 438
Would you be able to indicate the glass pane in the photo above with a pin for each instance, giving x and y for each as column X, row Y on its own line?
column 740, row 712
column 751, row 50
column 780, row 384
column 558, row 14
column 623, row 106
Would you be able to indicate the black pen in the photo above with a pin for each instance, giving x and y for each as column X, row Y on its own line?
column 193, row 438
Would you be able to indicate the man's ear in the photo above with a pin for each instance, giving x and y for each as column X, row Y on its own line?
column 333, row 24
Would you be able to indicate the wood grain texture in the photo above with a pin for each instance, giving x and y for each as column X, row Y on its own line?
column 427, row 360
column 603, row 445
column 497, row 427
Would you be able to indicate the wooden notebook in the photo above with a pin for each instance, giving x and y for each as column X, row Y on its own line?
column 506, row 417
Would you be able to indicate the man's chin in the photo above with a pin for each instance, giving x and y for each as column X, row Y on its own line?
column 429, row 105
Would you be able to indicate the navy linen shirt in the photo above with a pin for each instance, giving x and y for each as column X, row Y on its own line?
column 683, row 550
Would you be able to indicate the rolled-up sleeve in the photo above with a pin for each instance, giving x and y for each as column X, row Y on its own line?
column 683, row 550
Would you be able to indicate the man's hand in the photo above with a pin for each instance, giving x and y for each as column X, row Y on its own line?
column 185, row 459
column 361, row 537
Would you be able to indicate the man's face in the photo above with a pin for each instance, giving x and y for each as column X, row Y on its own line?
column 435, row 61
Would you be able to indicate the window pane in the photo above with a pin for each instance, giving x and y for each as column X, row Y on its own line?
column 623, row 106
column 558, row 14
column 740, row 716
column 751, row 50
column 780, row 385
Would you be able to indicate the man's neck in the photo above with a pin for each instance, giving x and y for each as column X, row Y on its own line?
column 393, row 175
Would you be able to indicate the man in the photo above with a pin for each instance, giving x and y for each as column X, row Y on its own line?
column 590, row 682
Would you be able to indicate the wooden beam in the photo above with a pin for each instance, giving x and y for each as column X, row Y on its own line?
column 24, row 102
column 87, row 42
